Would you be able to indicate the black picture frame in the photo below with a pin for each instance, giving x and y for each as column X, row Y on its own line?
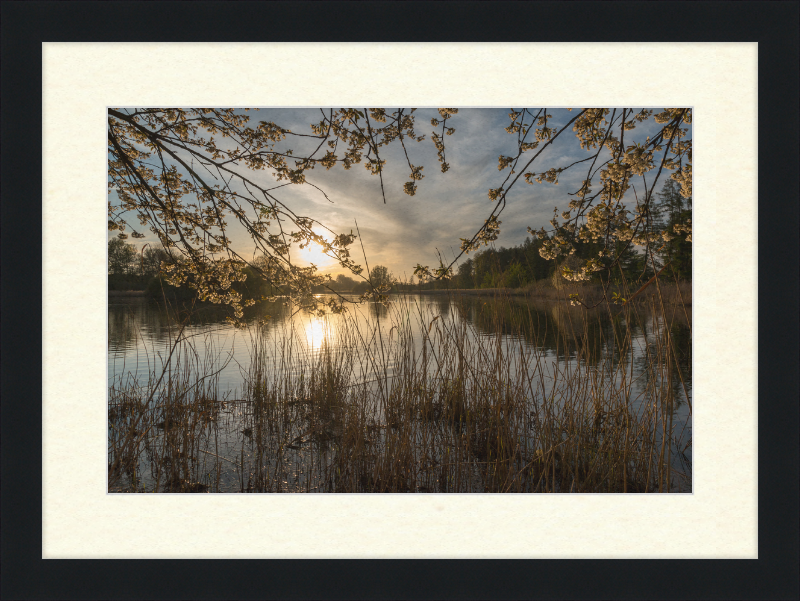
column 26, row 25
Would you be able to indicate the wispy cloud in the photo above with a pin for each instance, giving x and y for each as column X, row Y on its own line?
column 408, row 230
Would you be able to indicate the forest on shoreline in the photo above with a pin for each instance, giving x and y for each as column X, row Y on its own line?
column 518, row 267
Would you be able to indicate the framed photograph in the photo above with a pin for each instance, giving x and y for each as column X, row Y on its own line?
column 527, row 401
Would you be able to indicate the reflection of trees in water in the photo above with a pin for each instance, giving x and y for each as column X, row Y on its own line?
column 443, row 303
column 618, row 336
column 121, row 328
column 126, row 320
column 143, row 318
column 583, row 333
column 681, row 335
column 663, row 379
column 130, row 319
column 666, row 357
column 209, row 313
column 378, row 310
column 565, row 331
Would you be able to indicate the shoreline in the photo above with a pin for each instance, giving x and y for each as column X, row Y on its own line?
column 517, row 292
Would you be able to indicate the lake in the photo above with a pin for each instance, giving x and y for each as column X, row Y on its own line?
column 416, row 351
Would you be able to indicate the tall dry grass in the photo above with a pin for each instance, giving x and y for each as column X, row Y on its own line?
column 418, row 402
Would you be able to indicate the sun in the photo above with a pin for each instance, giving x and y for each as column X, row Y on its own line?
column 313, row 253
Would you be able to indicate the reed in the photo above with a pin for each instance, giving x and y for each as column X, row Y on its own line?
column 414, row 401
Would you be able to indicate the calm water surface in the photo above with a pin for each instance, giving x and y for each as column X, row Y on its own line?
column 141, row 333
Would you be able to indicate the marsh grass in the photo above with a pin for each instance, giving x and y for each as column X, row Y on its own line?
column 672, row 292
column 413, row 401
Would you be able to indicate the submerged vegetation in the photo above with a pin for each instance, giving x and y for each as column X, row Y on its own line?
column 476, row 396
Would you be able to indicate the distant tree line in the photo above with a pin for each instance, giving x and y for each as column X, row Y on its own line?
column 143, row 269
column 518, row 266
column 380, row 276
column 673, row 215
column 130, row 268
column 514, row 267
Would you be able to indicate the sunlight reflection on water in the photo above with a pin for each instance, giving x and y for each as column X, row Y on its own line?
column 318, row 332
column 377, row 341
column 141, row 334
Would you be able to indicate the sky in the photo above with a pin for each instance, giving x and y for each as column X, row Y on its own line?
column 407, row 230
